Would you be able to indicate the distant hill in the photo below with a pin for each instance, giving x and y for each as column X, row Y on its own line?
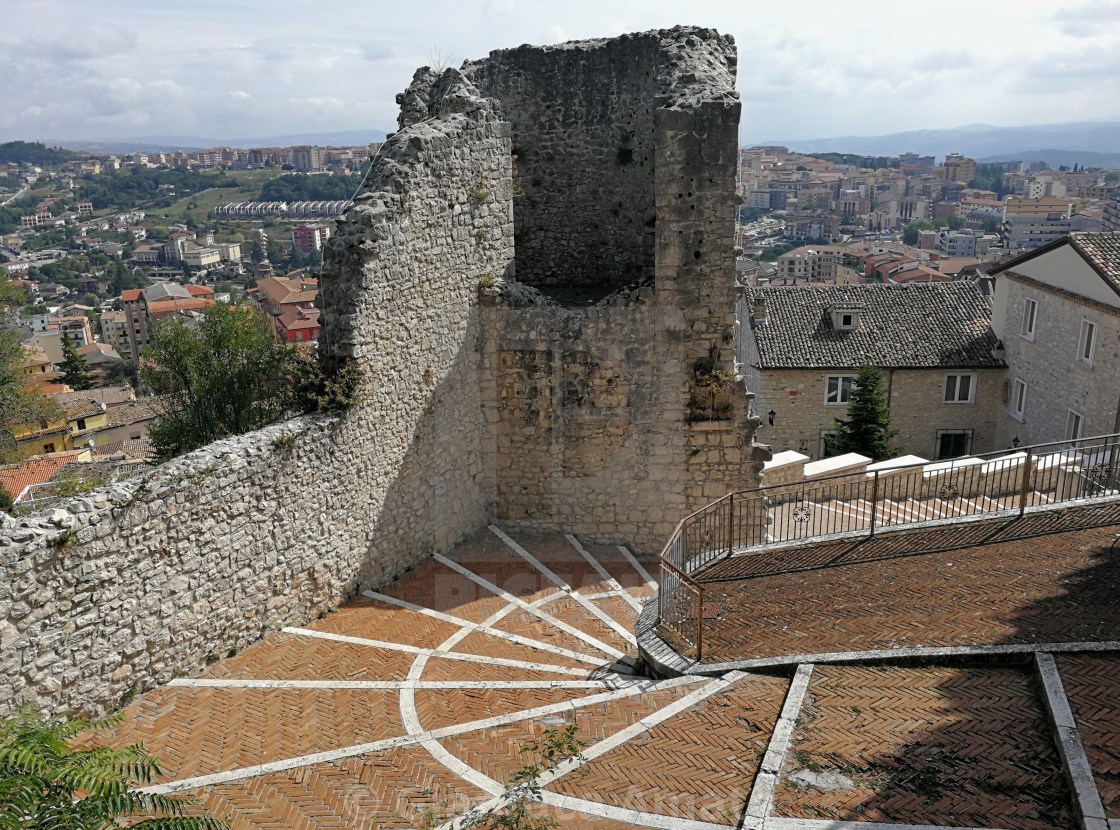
column 189, row 143
column 1056, row 158
column 24, row 152
column 1085, row 142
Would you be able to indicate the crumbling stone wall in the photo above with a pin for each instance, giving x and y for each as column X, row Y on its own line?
column 126, row 588
column 602, row 411
column 483, row 397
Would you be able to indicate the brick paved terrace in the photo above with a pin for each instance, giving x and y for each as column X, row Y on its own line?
column 415, row 701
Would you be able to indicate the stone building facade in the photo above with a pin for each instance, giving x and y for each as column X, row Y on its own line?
column 933, row 342
column 535, row 280
column 1057, row 314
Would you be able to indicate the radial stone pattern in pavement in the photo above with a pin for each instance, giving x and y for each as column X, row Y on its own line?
column 417, row 701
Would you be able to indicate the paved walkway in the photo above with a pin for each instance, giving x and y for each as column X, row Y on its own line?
column 1052, row 589
column 413, row 704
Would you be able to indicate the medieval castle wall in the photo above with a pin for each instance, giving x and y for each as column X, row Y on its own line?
column 546, row 340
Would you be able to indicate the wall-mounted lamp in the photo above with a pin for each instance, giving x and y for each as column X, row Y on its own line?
column 1015, row 441
column 770, row 417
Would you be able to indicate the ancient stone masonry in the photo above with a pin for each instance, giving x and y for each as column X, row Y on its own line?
column 536, row 281
column 614, row 398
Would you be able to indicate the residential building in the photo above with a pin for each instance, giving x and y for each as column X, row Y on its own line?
column 1057, row 313
column 807, row 265
column 144, row 306
column 958, row 168
column 276, row 295
column 800, row 349
column 311, row 237
column 307, row 159
column 813, row 226
column 298, row 325
column 114, row 330
column 1033, row 223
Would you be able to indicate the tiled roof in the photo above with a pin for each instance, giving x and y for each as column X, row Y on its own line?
column 161, row 306
column 108, row 395
column 133, row 412
column 199, row 291
column 130, row 295
column 299, row 318
column 284, row 290
column 1102, row 250
column 142, row 448
column 921, row 325
column 34, row 470
column 82, row 408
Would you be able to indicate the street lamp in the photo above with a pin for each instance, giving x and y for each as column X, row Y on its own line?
column 770, row 417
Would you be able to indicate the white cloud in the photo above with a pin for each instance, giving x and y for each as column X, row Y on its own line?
column 807, row 67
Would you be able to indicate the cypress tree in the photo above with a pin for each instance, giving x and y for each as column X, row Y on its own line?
column 74, row 372
column 867, row 429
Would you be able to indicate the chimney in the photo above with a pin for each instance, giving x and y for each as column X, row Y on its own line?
column 758, row 317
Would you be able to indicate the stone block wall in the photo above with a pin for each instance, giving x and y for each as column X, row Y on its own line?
column 137, row 583
column 1056, row 380
column 482, row 397
column 918, row 411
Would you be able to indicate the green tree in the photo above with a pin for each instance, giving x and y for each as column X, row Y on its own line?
column 47, row 783
column 21, row 404
column 224, row 375
column 867, row 429
column 74, row 372
column 5, row 499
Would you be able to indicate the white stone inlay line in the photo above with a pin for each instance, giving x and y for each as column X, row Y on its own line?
column 484, row 629
column 393, row 685
column 637, row 566
column 1074, row 762
column 595, row 808
column 825, row 824
column 446, row 655
column 610, row 580
column 606, row 745
column 766, row 780
column 531, row 608
column 638, row 688
column 552, row 577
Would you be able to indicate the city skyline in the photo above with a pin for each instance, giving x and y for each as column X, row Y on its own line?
column 111, row 69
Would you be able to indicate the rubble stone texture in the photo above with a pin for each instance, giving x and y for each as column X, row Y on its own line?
column 536, row 280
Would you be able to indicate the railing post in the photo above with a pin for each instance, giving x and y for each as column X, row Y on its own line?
column 874, row 501
column 700, row 623
column 1024, row 487
column 730, row 523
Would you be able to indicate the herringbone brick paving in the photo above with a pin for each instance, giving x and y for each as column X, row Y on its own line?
column 361, row 617
column 371, row 792
column 497, row 752
column 948, row 746
column 1058, row 588
column 202, row 731
column 283, row 656
column 1092, row 684
column 437, row 708
column 698, row 765
column 486, row 644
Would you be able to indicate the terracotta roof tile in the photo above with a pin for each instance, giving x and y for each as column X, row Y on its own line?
column 34, row 470
column 921, row 325
column 1102, row 250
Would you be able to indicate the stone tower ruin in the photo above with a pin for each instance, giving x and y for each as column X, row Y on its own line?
column 541, row 264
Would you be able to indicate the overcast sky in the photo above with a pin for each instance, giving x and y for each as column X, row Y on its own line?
column 73, row 69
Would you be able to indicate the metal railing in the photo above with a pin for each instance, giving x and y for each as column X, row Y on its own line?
column 1002, row 483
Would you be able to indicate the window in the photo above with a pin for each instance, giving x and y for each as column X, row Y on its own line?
column 134, row 436
column 1074, row 423
column 837, row 389
column 822, row 448
column 1086, row 343
column 81, row 424
column 1018, row 398
column 846, row 321
column 959, row 388
column 48, row 448
column 1030, row 314
column 953, row 443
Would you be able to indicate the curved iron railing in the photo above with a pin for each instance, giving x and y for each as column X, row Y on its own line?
column 997, row 483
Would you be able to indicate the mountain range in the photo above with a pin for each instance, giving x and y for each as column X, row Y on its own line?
column 1093, row 143
column 192, row 143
